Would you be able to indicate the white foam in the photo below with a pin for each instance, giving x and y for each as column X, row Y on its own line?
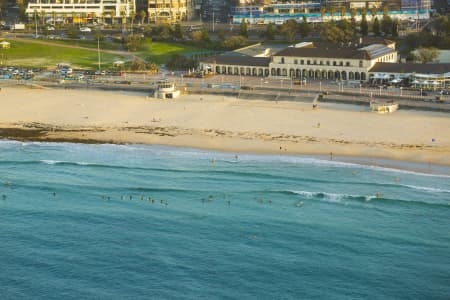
column 426, row 189
column 192, row 153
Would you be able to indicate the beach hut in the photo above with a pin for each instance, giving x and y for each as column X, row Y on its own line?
column 5, row 45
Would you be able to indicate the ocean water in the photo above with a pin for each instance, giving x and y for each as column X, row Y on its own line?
column 152, row 222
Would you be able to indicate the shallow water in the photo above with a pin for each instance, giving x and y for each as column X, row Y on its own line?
column 132, row 221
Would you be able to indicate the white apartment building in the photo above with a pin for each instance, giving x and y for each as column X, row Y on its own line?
column 78, row 11
column 170, row 11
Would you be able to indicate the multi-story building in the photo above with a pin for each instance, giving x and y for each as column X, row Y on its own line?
column 86, row 11
column 307, row 60
column 278, row 12
column 170, row 11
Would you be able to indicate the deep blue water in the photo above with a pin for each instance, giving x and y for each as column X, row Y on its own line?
column 203, row 225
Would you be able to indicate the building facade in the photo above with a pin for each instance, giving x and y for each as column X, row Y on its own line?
column 317, row 11
column 308, row 61
column 170, row 11
column 76, row 11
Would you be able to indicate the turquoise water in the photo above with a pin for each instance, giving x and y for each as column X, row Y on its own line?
column 205, row 225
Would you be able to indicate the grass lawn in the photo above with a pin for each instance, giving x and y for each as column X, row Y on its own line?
column 29, row 54
column 104, row 45
column 160, row 52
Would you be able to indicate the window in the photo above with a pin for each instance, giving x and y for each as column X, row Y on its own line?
column 321, row 62
column 302, row 62
column 282, row 60
column 315, row 62
column 347, row 64
column 328, row 62
column 308, row 62
column 334, row 63
column 341, row 63
column 360, row 63
column 296, row 61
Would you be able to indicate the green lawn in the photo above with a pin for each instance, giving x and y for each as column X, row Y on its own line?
column 24, row 53
column 160, row 52
column 105, row 45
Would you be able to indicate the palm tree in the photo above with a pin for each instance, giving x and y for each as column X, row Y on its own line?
column 103, row 17
column 385, row 11
column 64, row 17
column 373, row 11
column 143, row 14
column 43, row 14
column 343, row 11
column 353, row 13
column 54, row 17
column 332, row 12
column 363, row 11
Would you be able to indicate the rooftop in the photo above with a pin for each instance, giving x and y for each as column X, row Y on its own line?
column 237, row 60
column 410, row 68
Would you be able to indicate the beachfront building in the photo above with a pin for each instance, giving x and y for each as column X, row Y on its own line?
column 317, row 11
column 427, row 76
column 307, row 61
column 76, row 11
column 170, row 11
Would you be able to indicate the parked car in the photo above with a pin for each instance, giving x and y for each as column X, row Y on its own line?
column 85, row 29
column 443, row 92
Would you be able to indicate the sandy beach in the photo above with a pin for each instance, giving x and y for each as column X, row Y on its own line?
column 223, row 123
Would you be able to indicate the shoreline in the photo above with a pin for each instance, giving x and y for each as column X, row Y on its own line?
column 419, row 167
column 223, row 124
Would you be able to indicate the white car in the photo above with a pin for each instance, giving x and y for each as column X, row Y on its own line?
column 85, row 29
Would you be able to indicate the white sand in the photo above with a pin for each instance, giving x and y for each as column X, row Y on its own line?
column 228, row 124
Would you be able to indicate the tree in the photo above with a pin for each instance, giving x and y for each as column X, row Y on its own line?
column 243, row 28
column 72, row 32
column 323, row 11
column 43, row 16
column 270, row 31
column 235, row 42
column 343, row 11
column 178, row 32
column 363, row 11
column 142, row 15
column 332, row 12
column 385, row 11
column 376, row 26
column 394, row 29
column 425, row 55
column 304, row 29
column 373, row 11
column 133, row 42
column 22, row 14
column 364, row 26
column 442, row 26
column 205, row 35
column 386, row 24
column 331, row 33
column 353, row 13
column 177, row 62
column 196, row 36
column 99, row 36
column 137, row 64
column 289, row 29
column 221, row 34
column 347, row 31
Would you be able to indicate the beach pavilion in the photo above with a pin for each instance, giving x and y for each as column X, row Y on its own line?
column 430, row 76
column 5, row 45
